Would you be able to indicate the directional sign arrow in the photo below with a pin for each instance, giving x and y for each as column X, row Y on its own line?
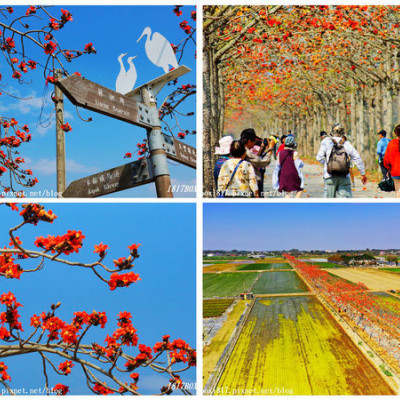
column 179, row 151
column 126, row 176
column 87, row 94
column 158, row 83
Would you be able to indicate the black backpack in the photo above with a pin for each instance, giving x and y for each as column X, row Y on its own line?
column 387, row 185
column 339, row 160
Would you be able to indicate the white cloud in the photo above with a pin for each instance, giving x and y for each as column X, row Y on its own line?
column 153, row 383
column 47, row 166
column 42, row 130
column 26, row 105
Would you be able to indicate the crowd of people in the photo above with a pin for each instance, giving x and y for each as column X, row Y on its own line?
column 240, row 168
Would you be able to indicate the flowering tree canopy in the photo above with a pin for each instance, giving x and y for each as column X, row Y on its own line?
column 302, row 68
column 36, row 28
column 110, row 366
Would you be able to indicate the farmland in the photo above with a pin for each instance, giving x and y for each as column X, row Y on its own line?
column 389, row 303
column 215, row 307
column 294, row 344
column 213, row 262
column 394, row 270
column 263, row 266
column 279, row 282
column 227, row 284
column 374, row 279
column 327, row 265
column 225, row 258
column 212, row 351
column 220, row 267
column 286, row 338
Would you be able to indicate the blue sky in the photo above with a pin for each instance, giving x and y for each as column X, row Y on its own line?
column 303, row 226
column 99, row 145
column 163, row 302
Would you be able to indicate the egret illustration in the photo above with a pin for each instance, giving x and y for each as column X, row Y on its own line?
column 126, row 79
column 159, row 50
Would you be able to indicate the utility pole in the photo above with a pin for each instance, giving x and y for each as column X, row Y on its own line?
column 60, row 136
column 155, row 142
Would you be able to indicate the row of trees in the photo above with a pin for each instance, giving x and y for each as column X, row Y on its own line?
column 379, row 316
column 302, row 68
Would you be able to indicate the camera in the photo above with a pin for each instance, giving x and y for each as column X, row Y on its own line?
column 260, row 141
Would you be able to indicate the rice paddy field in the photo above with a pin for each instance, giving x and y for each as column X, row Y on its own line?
column 294, row 344
column 279, row 282
column 220, row 267
column 227, row 284
column 215, row 307
column 263, row 266
column 327, row 265
column 389, row 303
column 394, row 270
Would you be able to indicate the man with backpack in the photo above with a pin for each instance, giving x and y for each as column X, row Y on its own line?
column 336, row 154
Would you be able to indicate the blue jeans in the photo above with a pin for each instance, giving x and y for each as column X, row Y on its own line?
column 337, row 186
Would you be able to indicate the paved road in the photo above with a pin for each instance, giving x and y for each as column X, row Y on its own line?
column 314, row 186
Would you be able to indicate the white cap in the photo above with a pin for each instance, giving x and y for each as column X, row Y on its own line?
column 224, row 145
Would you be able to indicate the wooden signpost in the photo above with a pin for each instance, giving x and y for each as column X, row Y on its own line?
column 138, row 108
column 179, row 151
column 126, row 176
column 87, row 94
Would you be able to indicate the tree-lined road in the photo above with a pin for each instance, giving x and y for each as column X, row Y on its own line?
column 314, row 184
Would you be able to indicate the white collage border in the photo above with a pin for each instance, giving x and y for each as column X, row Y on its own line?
column 198, row 200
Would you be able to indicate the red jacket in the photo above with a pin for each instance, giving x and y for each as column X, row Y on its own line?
column 392, row 157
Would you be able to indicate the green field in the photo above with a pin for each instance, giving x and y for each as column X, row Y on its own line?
column 215, row 307
column 328, row 265
column 292, row 346
column 279, row 282
column 389, row 303
column 395, row 270
column 227, row 284
column 225, row 258
column 260, row 266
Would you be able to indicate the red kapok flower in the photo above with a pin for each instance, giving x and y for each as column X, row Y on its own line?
column 61, row 389
column 31, row 10
column 66, row 366
column 102, row 389
column 3, row 372
column 66, row 127
column 122, row 280
column 100, row 249
column 89, row 48
column 50, row 47
column 177, row 11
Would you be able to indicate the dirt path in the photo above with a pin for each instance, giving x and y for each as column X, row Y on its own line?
column 314, row 184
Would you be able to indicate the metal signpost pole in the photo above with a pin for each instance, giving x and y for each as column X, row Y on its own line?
column 60, row 136
column 138, row 107
column 156, row 146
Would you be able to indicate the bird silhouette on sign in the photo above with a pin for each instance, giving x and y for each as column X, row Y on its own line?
column 159, row 50
column 126, row 79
